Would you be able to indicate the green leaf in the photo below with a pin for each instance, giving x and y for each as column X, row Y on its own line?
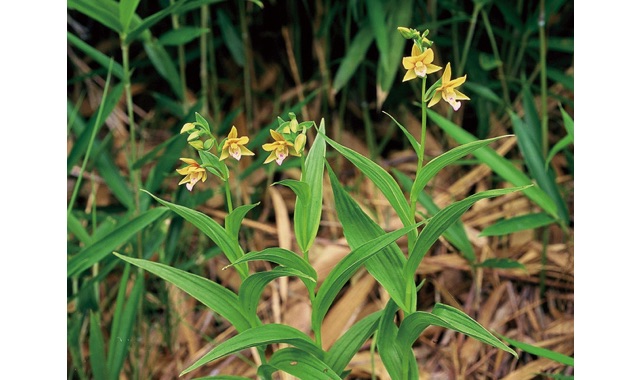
column 231, row 38
column 376, row 15
column 501, row 263
column 222, row 377
column 451, row 318
column 101, row 248
column 563, row 142
column 105, row 12
column 382, row 179
column 346, row 268
column 390, row 352
column 127, row 8
column 359, row 229
column 441, row 221
column 455, row 234
column 483, row 92
column 214, row 165
column 489, row 62
column 354, row 56
column 427, row 172
column 252, row 287
column 212, row 229
column 77, row 229
column 259, row 336
column 97, row 356
column 348, row 345
column 123, row 321
column 307, row 214
column 301, row 364
column 400, row 14
column 533, row 158
column 213, row 295
column 412, row 140
column 181, row 36
column 517, row 223
column 233, row 220
column 143, row 27
column 96, row 55
column 543, row 352
column 503, row 167
column 165, row 66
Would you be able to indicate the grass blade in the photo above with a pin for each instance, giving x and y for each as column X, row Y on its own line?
column 353, row 58
column 345, row 348
column 101, row 248
column 97, row 356
column 517, row 223
column 301, row 364
column 503, row 167
column 543, row 352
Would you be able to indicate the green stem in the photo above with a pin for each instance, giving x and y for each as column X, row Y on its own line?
column 467, row 43
column 175, row 23
column 227, row 190
column 246, row 69
column 496, row 53
column 204, row 74
column 133, row 173
column 543, row 80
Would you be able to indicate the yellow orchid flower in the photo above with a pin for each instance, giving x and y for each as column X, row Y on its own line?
column 279, row 149
column 447, row 90
column 234, row 146
column 193, row 173
column 419, row 64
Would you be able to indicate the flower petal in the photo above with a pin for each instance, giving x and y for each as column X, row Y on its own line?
column 415, row 50
column 233, row 133
column 409, row 75
column 458, row 81
column 460, row 96
column 431, row 68
column 408, row 63
column 446, row 76
column 436, row 98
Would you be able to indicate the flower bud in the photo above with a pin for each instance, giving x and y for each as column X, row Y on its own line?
column 198, row 144
column 299, row 143
column 194, row 136
column 406, row 32
column 187, row 127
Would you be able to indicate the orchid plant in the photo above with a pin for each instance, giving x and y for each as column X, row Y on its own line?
column 399, row 324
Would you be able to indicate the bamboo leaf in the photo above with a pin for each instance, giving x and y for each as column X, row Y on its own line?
column 101, row 248
column 212, row 229
column 412, row 140
column 503, row 167
column 390, row 352
column 354, row 56
column 105, row 12
column 259, row 336
column 127, row 8
column 517, row 223
column 533, row 158
column 181, row 36
column 96, row 55
column 213, row 295
column 165, row 66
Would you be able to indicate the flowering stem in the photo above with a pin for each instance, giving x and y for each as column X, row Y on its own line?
column 467, row 43
column 227, row 190
column 423, row 139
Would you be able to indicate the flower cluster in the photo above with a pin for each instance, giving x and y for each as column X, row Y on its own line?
column 289, row 139
column 420, row 63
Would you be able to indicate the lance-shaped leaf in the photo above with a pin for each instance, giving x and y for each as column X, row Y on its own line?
column 345, row 269
column 412, row 140
column 497, row 163
column 443, row 220
column 356, row 52
column 542, row 352
column 390, row 352
column 286, row 258
column 451, row 318
column 233, row 220
column 381, row 178
column 213, row 295
column 259, row 336
column 306, row 218
column 359, row 229
column 427, row 172
column 101, row 248
column 212, row 229
column 252, row 287
column 300, row 364
column 345, row 348
column 517, row 223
